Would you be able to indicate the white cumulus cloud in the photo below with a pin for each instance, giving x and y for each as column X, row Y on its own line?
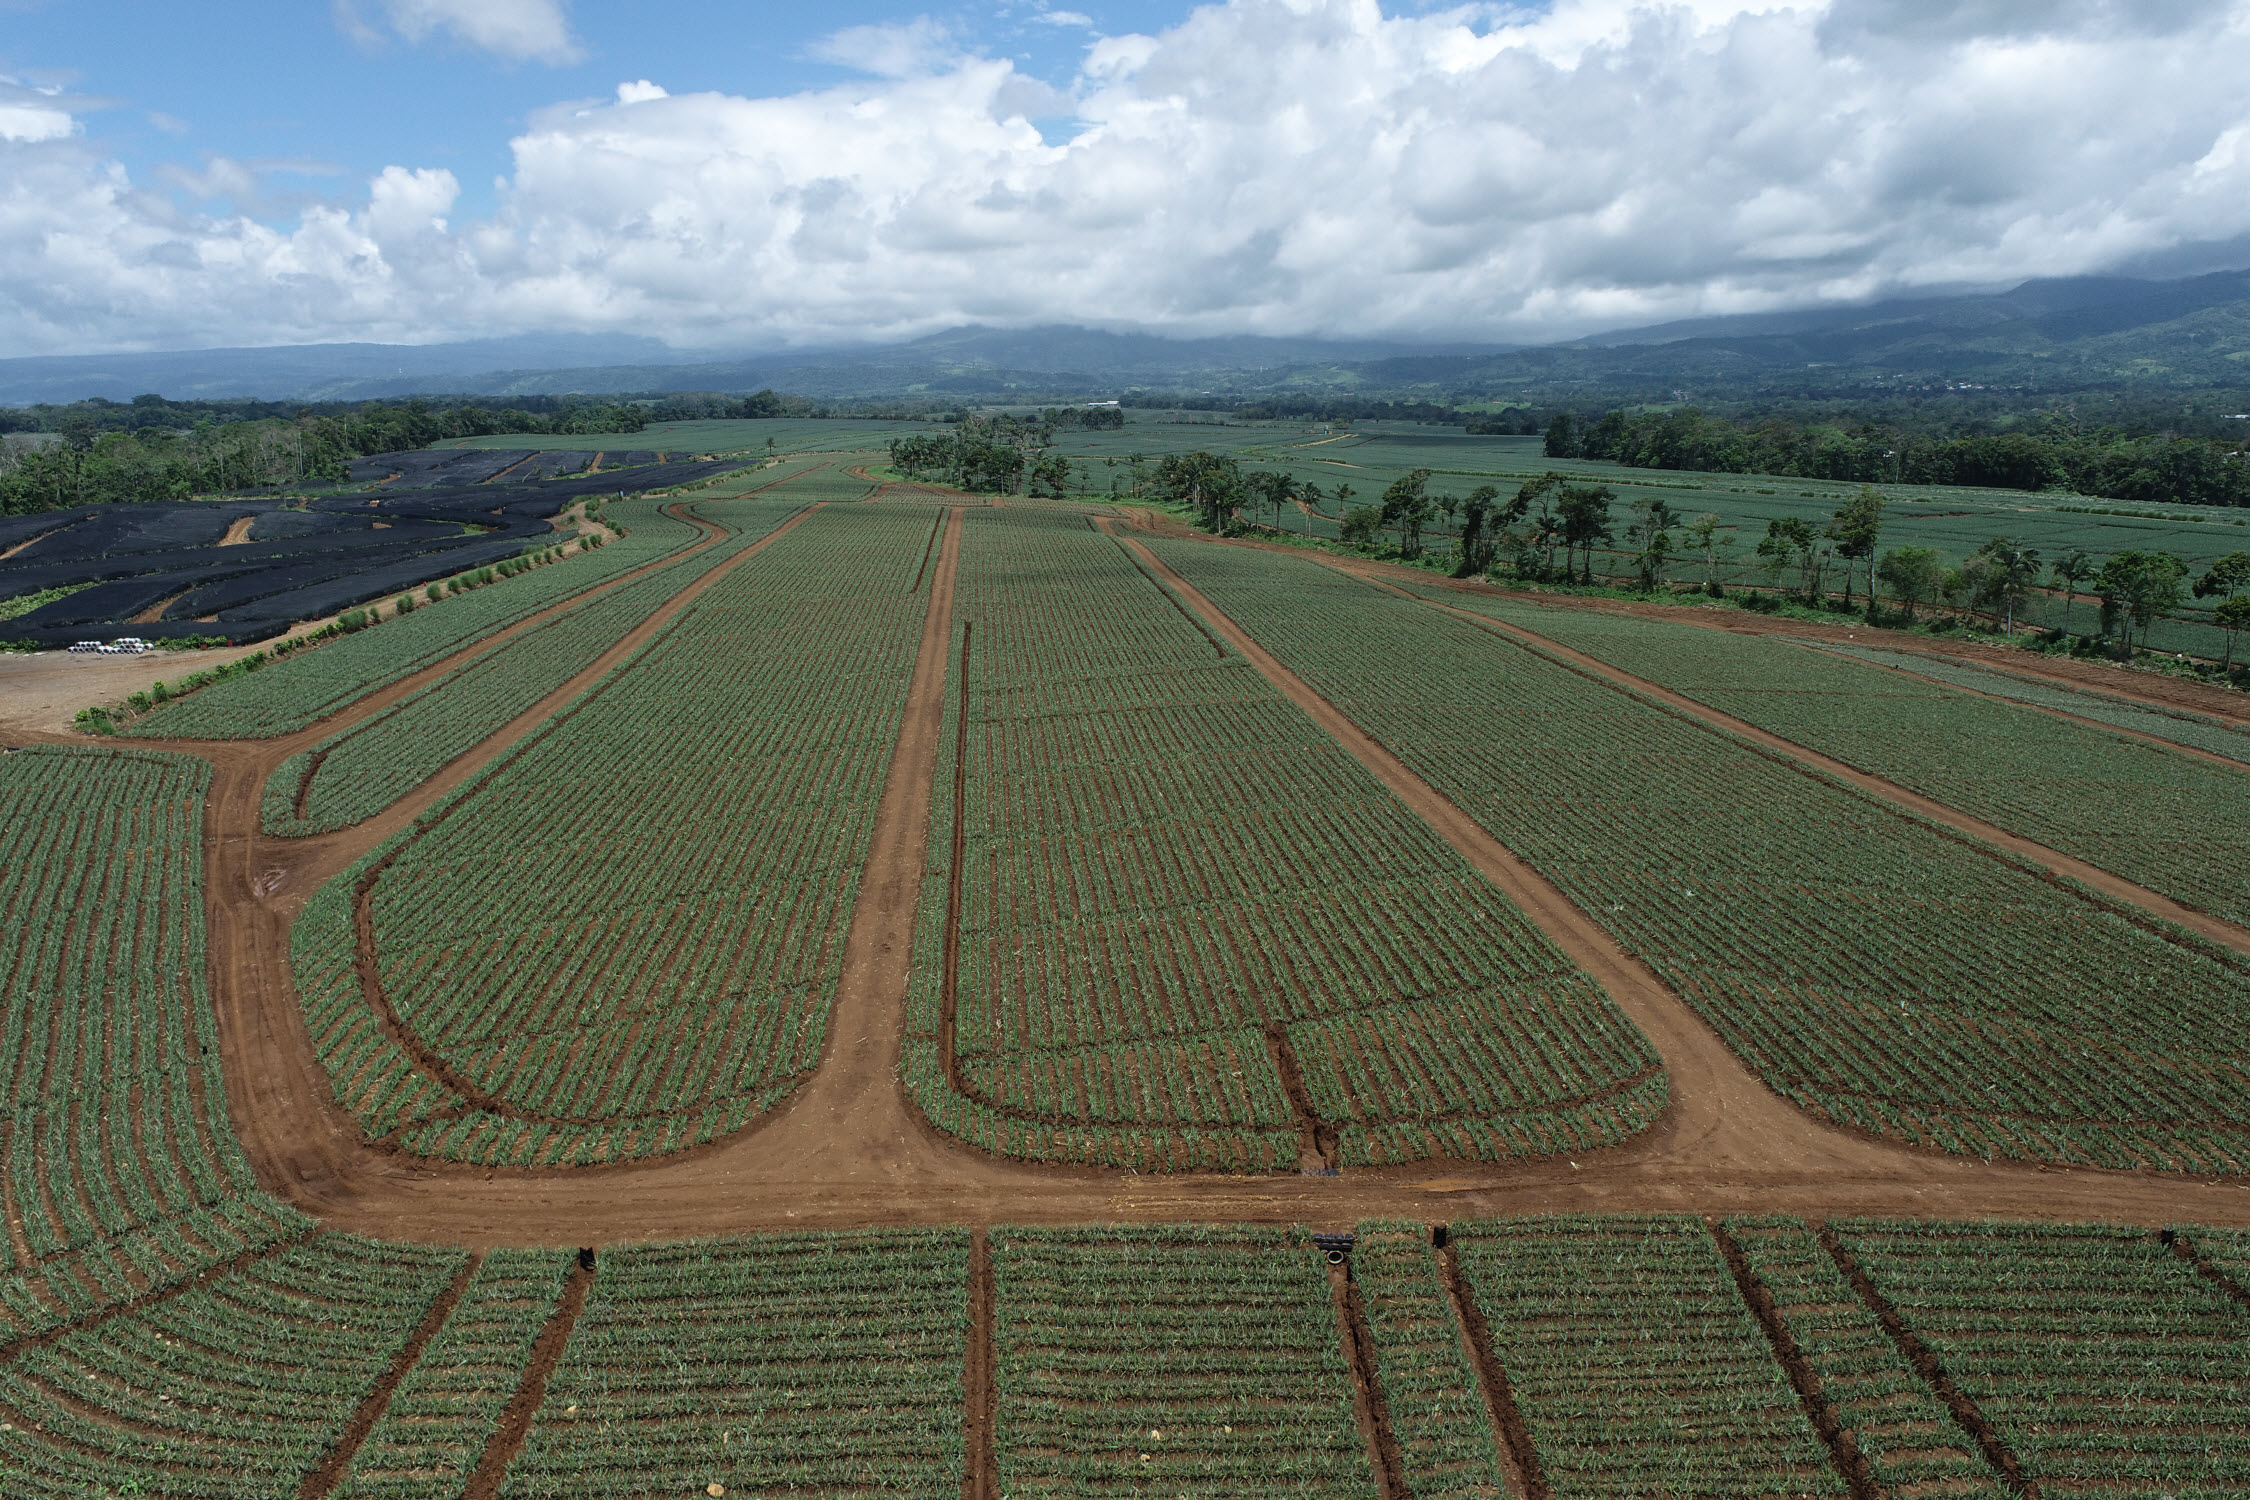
column 1271, row 166
column 32, row 114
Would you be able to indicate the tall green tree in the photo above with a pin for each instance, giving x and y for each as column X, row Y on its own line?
column 1650, row 532
column 2232, row 616
column 1790, row 537
column 2009, row 574
column 1207, row 484
column 1912, row 573
column 1407, row 509
column 1856, row 528
column 2138, row 588
column 2073, row 570
column 1703, row 535
column 1481, row 524
column 1275, row 489
column 1583, row 510
column 1362, row 526
column 2228, row 576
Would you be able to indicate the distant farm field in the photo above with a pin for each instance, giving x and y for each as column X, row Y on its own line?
column 854, row 986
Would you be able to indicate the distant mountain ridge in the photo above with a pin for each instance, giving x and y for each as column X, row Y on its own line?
column 2055, row 334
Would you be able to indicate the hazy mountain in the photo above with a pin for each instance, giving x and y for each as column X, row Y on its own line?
column 2047, row 335
column 963, row 361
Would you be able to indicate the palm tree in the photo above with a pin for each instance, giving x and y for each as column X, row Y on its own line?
column 2072, row 570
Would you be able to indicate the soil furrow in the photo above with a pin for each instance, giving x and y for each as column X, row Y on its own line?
column 1925, row 1362
column 1517, row 1450
column 980, row 1479
column 99, row 1316
column 1843, row 1451
column 523, row 1407
column 2186, row 1250
column 937, row 526
column 332, row 1469
column 1316, row 1139
column 1368, row 1400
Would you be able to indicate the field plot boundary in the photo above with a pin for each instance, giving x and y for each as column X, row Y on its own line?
column 498, row 751
column 1690, row 1049
column 849, row 1149
column 1905, row 668
column 2116, row 888
column 2152, row 692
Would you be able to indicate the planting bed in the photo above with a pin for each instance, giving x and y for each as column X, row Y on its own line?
column 432, row 1437
column 2195, row 731
column 1636, row 1364
column 121, row 1170
column 2176, row 824
column 1872, row 968
column 606, row 948
column 1170, row 1361
column 793, row 1364
column 2097, row 1360
column 229, row 1391
column 359, row 771
column 1191, row 931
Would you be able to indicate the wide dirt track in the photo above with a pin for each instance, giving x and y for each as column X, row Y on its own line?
column 849, row 1150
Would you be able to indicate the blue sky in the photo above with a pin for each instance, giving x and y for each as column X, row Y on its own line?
column 742, row 177
column 281, row 85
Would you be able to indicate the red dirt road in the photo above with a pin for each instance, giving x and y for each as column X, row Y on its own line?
column 848, row 1149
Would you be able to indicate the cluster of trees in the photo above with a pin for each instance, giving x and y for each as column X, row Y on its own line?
column 2136, row 588
column 93, row 462
column 1110, row 418
column 996, row 454
column 718, row 406
column 2161, row 467
column 1562, row 514
column 1308, row 408
column 82, row 422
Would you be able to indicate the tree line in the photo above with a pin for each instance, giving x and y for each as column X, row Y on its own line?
column 1488, row 529
column 998, row 454
column 2167, row 468
column 94, row 461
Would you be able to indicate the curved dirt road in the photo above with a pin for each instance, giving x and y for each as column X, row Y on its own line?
column 848, row 1148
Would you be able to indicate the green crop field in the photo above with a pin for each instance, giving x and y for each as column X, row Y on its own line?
column 1133, row 993
column 2103, row 1362
column 122, row 1170
column 1871, row 968
column 2177, row 825
column 232, row 1391
column 1637, row 1365
column 919, row 1015
column 684, row 1012
column 358, row 772
column 434, row 1433
column 805, row 1364
column 2182, row 727
column 1167, row 1361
